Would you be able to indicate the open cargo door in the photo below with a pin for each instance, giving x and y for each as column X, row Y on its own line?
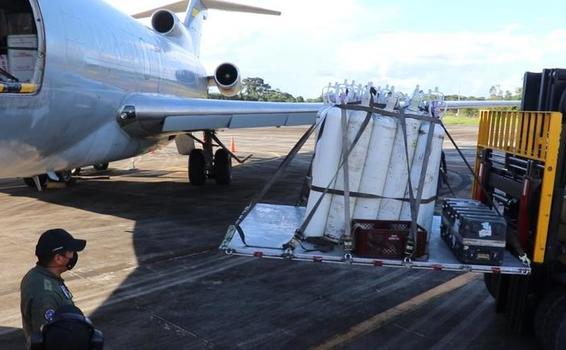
column 21, row 46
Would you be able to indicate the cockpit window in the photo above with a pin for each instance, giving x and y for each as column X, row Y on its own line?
column 20, row 59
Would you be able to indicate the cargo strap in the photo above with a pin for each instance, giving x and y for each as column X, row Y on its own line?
column 388, row 113
column 416, row 202
column 347, row 238
column 369, row 195
column 410, row 245
column 274, row 178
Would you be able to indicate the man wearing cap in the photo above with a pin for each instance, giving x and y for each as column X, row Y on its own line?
column 42, row 289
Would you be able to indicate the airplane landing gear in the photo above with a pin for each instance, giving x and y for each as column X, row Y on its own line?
column 62, row 178
column 222, row 167
column 197, row 167
column 203, row 163
column 42, row 180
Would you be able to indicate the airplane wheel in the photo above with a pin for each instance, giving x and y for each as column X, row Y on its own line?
column 550, row 320
column 100, row 166
column 42, row 181
column 197, row 167
column 222, row 167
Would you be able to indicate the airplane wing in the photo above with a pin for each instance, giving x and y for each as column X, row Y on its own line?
column 481, row 104
column 145, row 114
column 151, row 114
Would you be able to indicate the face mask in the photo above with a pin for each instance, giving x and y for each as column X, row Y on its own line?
column 73, row 261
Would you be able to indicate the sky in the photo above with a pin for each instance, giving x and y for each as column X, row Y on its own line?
column 461, row 47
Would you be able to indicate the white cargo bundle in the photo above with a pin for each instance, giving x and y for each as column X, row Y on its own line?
column 369, row 155
column 377, row 168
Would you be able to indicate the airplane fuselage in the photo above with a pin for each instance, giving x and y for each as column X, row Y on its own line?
column 95, row 56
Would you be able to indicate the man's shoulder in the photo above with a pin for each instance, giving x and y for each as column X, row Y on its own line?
column 37, row 280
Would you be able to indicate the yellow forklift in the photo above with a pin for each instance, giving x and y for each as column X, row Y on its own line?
column 520, row 171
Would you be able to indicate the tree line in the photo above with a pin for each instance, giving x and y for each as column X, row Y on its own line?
column 495, row 93
column 256, row 89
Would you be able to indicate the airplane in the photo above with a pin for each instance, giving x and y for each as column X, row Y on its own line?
column 82, row 83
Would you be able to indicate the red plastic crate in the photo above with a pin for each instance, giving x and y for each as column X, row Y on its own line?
column 385, row 239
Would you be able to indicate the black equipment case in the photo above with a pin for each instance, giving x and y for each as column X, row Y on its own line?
column 474, row 233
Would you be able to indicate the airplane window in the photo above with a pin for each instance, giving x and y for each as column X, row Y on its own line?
column 18, row 43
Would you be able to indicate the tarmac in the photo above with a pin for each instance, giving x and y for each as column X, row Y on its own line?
column 152, row 276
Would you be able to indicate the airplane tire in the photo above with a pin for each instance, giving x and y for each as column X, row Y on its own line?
column 222, row 167
column 550, row 320
column 100, row 166
column 197, row 167
column 42, row 181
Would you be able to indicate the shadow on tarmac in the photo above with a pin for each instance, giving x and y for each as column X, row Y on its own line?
column 190, row 296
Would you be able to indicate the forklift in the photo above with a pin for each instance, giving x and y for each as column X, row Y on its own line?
column 520, row 171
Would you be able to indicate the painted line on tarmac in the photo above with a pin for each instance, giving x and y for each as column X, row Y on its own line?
column 386, row 316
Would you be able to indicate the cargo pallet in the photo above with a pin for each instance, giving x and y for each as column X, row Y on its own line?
column 268, row 227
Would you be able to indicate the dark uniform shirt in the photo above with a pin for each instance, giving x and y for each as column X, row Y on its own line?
column 41, row 294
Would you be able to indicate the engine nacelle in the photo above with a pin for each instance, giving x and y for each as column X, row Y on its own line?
column 227, row 79
column 168, row 24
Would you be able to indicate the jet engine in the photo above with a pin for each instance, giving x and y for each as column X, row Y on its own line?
column 227, row 79
column 168, row 24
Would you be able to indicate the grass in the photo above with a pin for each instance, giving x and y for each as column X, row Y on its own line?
column 453, row 119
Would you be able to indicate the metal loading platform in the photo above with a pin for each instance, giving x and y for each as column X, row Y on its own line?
column 268, row 227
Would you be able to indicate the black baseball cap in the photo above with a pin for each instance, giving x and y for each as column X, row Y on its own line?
column 57, row 241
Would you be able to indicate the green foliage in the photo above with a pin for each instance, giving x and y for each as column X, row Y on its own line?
column 466, row 115
column 495, row 93
column 256, row 89
column 451, row 118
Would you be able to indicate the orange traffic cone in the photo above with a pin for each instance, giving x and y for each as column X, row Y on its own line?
column 232, row 146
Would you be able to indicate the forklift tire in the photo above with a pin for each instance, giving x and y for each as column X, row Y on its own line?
column 197, row 167
column 550, row 320
column 556, row 323
column 491, row 281
column 222, row 167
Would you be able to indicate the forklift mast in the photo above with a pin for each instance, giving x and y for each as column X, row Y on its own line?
column 520, row 163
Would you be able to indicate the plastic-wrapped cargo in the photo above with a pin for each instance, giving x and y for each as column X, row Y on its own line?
column 397, row 175
column 426, row 208
column 378, row 169
column 327, row 157
column 374, row 178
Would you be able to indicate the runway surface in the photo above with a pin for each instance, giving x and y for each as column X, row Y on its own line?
column 151, row 276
